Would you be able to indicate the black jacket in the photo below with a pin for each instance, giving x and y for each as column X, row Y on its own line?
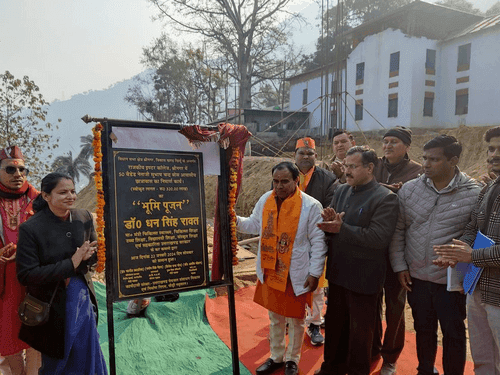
column 44, row 250
column 321, row 186
column 357, row 254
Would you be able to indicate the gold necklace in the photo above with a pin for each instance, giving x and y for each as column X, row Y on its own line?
column 13, row 217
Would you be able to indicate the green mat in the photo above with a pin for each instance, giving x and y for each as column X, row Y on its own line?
column 174, row 338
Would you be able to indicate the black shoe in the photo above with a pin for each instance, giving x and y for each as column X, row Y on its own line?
column 291, row 368
column 268, row 367
column 170, row 297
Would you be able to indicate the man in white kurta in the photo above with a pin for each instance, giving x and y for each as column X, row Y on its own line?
column 290, row 261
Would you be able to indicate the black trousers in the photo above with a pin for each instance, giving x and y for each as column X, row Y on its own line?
column 349, row 325
column 394, row 339
column 430, row 303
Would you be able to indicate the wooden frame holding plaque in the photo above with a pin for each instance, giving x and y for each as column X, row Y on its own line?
column 160, row 224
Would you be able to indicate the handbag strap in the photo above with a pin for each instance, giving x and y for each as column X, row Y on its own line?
column 54, row 294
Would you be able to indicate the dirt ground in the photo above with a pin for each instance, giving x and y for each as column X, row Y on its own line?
column 257, row 180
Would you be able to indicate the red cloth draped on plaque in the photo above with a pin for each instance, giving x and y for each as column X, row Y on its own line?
column 230, row 137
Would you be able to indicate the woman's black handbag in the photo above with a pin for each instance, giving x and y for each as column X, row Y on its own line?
column 34, row 312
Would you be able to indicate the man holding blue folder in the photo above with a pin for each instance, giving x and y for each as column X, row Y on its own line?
column 483, row 303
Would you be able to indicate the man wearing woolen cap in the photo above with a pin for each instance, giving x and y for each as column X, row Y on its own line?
column 395, row 167
column 393, row 170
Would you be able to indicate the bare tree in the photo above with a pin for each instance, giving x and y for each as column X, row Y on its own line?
column 180, row 84
column 249, row 33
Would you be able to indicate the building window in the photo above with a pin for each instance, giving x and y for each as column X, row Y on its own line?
column 358, row 116
column 393, row 105
column 304, row 97
column 360, row 73
column 428, row 104
column 394, row 65
column 462, row 102
column 463, row 62
column 430, row 62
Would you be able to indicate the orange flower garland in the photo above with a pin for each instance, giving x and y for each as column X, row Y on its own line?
column 233, row 186
column 101, row 246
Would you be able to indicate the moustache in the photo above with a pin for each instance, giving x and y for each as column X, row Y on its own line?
column 494, row 160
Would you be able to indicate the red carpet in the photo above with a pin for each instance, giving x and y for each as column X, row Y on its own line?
column 253, row 327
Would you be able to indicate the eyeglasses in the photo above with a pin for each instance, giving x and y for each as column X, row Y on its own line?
column 12, row 170
column 354, row 166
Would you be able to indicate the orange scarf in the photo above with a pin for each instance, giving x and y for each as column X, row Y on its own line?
column 304, row 179
column 278, row 236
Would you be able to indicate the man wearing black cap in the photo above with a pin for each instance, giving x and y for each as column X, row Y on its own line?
column 393, row 170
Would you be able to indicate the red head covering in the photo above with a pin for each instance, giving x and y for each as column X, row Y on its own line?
column 305, row 142
column 12, row 152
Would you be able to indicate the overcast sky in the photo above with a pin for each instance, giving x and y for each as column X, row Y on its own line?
column 69, row 47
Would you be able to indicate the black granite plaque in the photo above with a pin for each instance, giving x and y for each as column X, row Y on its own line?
column 160, row 224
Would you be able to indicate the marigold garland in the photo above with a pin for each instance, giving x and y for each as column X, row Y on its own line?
column 233, row 187
column 101, row 247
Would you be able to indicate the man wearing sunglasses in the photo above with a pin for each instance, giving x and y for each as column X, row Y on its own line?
column 16, row 196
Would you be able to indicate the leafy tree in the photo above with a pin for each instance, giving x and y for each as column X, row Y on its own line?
column 249, row 34
column 22, row 123
column 359, row 11
column 460, row 5
column 86, row 147
column 494, row 9
column 73, row 167
column 180, row 86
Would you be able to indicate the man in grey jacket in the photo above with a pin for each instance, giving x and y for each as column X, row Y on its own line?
column 483, row 305
column 433, row 210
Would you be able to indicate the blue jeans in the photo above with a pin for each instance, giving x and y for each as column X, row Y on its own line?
column 430, row 303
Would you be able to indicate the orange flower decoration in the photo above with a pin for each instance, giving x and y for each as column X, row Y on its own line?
column 101, row 246
column 233, row 186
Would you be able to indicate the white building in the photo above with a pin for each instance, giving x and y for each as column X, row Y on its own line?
column 422, row 65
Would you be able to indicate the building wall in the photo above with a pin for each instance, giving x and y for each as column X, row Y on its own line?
column 375, row 52
column 414, row 81
column 484, row 80
column 313, row 86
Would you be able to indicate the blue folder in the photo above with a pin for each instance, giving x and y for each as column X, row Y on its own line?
column 473, row 273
